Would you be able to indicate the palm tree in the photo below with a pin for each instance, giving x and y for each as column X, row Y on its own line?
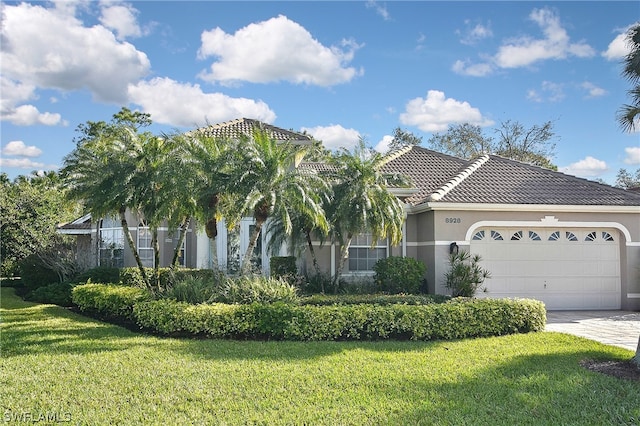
column 362, row 202
column 269, row 185
column 629, row 115
column 100, row 173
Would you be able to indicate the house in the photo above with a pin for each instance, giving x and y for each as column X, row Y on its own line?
column 570, row 242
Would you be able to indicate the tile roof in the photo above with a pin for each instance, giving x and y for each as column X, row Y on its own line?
column 492, row 179
column 235, row 129
column 428, row 170
column 82, row 225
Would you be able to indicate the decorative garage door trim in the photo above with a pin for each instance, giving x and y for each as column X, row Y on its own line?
column 548, row 222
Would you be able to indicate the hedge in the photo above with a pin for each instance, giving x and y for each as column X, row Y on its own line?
column 374, row 299
column 110, row 300
column 455, row 320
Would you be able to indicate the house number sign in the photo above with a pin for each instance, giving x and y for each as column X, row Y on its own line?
column 453, row 220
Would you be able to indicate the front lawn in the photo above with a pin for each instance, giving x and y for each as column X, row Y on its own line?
column 58, row 364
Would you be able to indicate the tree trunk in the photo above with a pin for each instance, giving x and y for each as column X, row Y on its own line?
column 155, row 281
column 636, row 358
column 253, row 239
column 313, row 255
column 344, row 255
column 132, row 246
column 183, row 233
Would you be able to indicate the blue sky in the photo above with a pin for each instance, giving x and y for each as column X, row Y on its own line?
column 339, row 70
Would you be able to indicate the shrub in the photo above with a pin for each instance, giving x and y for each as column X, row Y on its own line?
column 57, row 294
column 283, row 267
column 453, row 320
column 317, row 283
column 192, row 289
column 109, row 300
column 465, row 275
column 101, row 274
column 256, row 288
column 400, row 275
column 375, row 299
column 34, row 273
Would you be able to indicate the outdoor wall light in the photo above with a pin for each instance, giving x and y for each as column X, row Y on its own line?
column 453, row 248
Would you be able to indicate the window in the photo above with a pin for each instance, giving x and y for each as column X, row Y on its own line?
column 361, row 256
column 591, row 236
column 145, row 247
column 533, row 236
column 111, row 244
column 571, row 236
column 516, row 236
column 555, row 236
column 478, row 236
column 495, row 235
column 607, row 236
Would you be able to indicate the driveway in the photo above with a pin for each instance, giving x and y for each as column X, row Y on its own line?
column 617, row 328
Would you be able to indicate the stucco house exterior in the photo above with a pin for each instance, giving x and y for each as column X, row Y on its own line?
column 570, row 242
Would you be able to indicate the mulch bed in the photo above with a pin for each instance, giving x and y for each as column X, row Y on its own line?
column 620, row 369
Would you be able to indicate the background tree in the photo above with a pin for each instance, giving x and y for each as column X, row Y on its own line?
column 462, row 140
column 403, row 138
column 534, row 145
column 361, row 201
column 627, row 180
column 30, row 209
column 629, row 115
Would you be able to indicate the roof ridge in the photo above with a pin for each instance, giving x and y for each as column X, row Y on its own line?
column 456, row 180
column 390, row 156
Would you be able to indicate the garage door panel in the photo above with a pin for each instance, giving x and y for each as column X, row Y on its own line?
column 566, row 269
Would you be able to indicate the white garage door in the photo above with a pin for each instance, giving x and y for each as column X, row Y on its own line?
column 564, row 268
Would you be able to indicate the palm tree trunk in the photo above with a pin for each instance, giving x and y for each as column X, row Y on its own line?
column 636, row 358
column 316, row 266
column 183, row 233
column 344, row 255
column 253, row 239
column 156, row 259
column 132, row 246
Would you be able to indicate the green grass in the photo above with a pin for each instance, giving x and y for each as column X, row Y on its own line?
column 57, row 363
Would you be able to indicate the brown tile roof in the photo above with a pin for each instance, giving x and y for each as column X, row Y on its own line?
column 492, row 179
column 82, row 225
column 427, row 170
column 235, row 129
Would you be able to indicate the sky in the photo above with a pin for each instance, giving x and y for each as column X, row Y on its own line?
column 339, row 70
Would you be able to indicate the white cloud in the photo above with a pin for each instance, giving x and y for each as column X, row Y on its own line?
column 549, row 92
column 28, row 115
column 334, row 136
column 588, row 167
column 275, row 50
column 186, row 105
column 50, row 48
column 383, row 145
column 618, row 48
column 122, row 18
column 633, row 155
column 435, row 113
column 380, row 9
column 18, row 148
column 525, row 51
column 26, row 163
column 593, row 91
column 474, row 70
column 472, row 34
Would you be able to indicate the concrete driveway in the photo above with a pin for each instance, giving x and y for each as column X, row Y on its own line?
column 617, row 328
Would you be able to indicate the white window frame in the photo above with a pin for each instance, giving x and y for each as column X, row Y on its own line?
column 114, row 235
column 361, row 243
column 145, row 246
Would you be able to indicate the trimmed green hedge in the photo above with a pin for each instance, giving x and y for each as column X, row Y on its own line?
column 110, row 300
column 374, row 299
column 460, row 319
